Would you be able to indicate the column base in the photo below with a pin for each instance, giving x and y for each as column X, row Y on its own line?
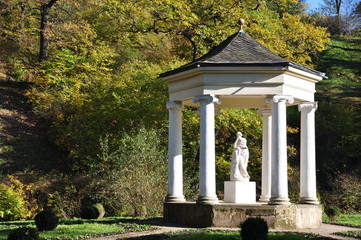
column 264, row 198
column 279, row 201
column 174, row 199
column 309, row 200
column 206, row 200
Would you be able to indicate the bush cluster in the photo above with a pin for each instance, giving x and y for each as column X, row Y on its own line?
column 333, row 213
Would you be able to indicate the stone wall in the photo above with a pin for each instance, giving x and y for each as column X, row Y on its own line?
column 281, row 217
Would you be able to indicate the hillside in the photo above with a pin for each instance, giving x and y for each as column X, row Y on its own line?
column 24, row 145
column 342, row 64
column 338, row 124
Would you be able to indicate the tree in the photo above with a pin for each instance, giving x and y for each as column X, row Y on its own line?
column 358, row 8
column 339, row 18
column 44, row 28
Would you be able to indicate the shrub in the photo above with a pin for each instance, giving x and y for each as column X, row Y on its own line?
column 254, row 228
column 12, row 204
column 46, row 220
column 130, row 180
column 24, row 233
column 89, row 212
column 333, row 212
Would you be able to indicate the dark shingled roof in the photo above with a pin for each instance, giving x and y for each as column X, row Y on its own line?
column 240, row 49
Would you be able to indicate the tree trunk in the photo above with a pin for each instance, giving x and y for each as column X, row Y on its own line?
column 44, row 28
column 339, row 19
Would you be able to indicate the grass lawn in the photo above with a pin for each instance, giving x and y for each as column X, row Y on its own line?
column 79, row 228
column 350, row 219
column 341, row 61
column 347, row 219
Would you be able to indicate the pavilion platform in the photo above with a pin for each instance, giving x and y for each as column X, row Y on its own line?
column 280, row 217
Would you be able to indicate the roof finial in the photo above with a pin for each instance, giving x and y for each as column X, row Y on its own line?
column 240, row 24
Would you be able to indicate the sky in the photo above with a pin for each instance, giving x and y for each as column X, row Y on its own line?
column 313, row 4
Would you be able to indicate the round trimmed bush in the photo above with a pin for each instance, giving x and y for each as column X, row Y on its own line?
column 254, row 228
column 24, row 233
column 89, row 212
column 92, row 212
column 333, row 212
column 46, row 220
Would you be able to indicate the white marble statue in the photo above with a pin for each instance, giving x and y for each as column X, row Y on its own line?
column 240, row 157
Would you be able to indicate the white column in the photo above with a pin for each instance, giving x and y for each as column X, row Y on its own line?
column 175, row 158
column 207, row 156
column 266, row 154
column 308, row 153
column 279, row 179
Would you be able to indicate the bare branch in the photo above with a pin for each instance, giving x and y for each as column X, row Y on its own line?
column 51, row 3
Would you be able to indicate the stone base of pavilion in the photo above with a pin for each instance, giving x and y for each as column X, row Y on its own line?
column 280, row 217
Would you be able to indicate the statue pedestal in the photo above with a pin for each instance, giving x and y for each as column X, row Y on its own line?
column 240, row 192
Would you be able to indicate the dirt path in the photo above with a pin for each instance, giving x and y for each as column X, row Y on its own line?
column 326, row 231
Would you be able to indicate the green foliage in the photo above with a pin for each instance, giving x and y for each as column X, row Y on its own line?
column 130, row 179
column 87, row 107
column 254, row 228
column 24, row 233
column 13, row 205
column 333, row 213
column 18, row 71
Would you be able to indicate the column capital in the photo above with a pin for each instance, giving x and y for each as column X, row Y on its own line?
column 208, row 98
column 308, row 106
column 279, row 98
column 265, row 111
column 174, row 104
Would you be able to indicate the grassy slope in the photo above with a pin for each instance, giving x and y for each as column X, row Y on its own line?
column 338, row 120
column 342, row 64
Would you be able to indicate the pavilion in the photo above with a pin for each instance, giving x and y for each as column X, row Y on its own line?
column 241, row 73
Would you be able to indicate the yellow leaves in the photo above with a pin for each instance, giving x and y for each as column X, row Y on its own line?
column 72, row 35
column 292, row 36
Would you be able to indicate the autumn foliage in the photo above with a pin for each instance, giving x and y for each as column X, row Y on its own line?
column 100, row 79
